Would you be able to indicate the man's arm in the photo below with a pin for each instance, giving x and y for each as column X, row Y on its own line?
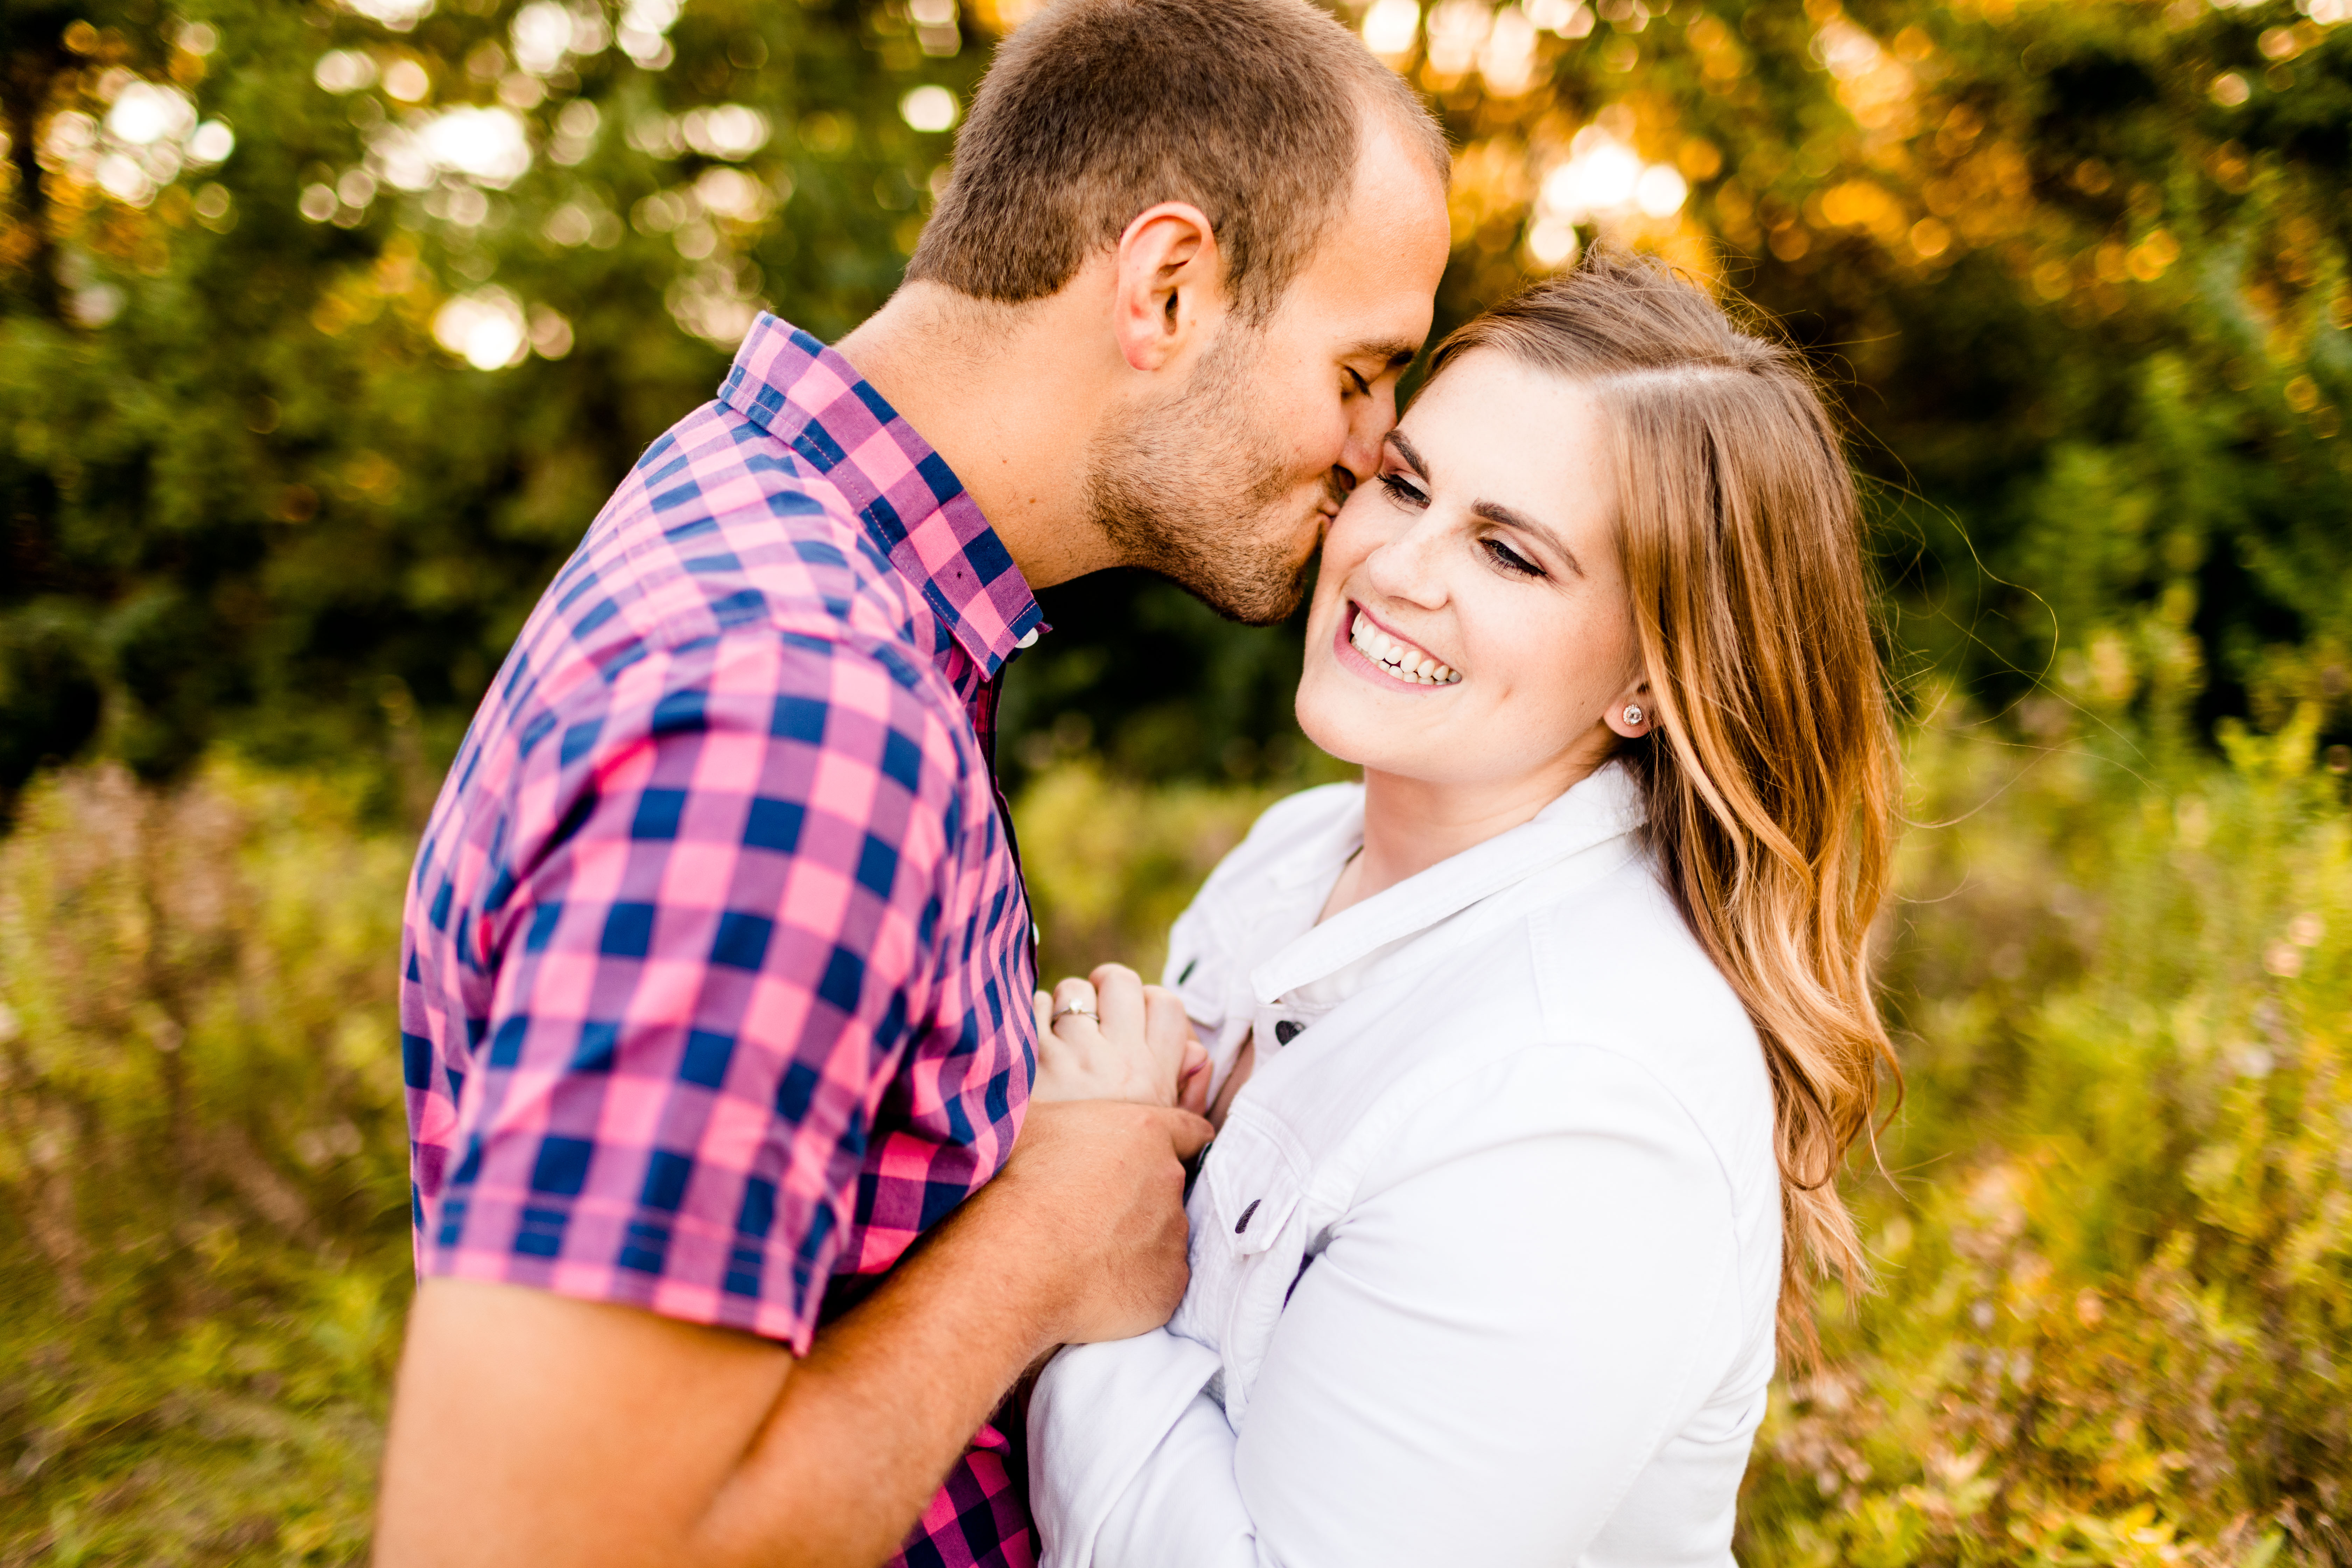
column 531, row 1427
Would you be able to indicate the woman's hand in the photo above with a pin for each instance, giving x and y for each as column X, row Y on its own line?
column 1111, row 1036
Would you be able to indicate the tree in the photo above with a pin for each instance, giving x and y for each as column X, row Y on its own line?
column 327, row 331
column 324, row 331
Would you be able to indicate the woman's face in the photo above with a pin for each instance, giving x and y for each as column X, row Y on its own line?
column 1471, row 623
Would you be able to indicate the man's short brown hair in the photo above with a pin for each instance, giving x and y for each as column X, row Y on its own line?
column 1095, row 110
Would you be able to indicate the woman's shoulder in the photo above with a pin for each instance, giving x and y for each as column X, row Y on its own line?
column 1207, row 946
column 1295, row 819
column 1601, row 996
column 1618, row 970
column 1616, row 959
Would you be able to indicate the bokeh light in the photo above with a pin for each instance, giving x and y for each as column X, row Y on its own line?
column 928, row 107
column 1391, row 27
column 487, row 329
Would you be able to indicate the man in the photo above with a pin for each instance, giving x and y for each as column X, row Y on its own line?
column 717, row 962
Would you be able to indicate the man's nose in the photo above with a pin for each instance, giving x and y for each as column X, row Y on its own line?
column 1366, row 429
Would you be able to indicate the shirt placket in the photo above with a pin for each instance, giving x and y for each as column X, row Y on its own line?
column 982, row 709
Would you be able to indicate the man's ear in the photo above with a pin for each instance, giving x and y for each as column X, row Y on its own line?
column 1168, row 288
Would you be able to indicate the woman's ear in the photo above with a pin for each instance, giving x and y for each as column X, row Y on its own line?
column 1632, row 714
column 1167, row 287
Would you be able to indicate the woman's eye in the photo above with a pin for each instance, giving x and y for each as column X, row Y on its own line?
column 1510, row 559
column 1363, row 387
column 1401, row 490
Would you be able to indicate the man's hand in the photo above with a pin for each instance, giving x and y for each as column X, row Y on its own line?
column 1106, row 1182
column 1111, row 1036
column 530, row 1427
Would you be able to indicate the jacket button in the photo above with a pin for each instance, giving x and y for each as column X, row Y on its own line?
column 1287, row 1030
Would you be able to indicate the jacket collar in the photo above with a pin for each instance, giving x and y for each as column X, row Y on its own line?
column 1604, row 806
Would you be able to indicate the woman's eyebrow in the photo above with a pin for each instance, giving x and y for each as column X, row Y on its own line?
column 1495, row 512
column 1410, row 453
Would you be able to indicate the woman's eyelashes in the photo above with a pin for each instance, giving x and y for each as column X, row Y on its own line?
column 1509, row 559
column 1405, row 493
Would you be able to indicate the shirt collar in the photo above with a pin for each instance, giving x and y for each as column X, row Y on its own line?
column 1606, row 805
column 909, row 501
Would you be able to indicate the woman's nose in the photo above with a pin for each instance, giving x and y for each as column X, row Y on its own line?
column 1405, row 568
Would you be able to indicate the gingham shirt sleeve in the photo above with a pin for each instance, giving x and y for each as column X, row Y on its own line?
column 710, row 937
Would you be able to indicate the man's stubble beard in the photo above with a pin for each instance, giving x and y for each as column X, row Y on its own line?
column 1188, row 490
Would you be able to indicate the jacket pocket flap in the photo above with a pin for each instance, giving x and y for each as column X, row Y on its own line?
column 1253, row 1185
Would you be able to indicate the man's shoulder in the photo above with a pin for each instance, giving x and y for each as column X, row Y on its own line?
column 720, row 537
column 719, row 527
column 725, row 586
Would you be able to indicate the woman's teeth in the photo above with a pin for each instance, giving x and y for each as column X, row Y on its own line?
column 1408, row 664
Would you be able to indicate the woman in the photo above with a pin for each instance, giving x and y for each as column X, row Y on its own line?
column 1536, row 1056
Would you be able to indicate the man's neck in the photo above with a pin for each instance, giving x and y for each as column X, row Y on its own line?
column 997, row 392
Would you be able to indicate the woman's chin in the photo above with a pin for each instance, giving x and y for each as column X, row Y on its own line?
column 1331, row 742
column 1345, row 737
column 1363, row 739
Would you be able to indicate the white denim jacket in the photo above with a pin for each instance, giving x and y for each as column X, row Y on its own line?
column 1484, row 1258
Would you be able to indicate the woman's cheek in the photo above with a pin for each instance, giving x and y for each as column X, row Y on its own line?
column 1345, row 547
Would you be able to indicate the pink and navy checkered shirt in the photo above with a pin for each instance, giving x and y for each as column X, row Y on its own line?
column 716, row 961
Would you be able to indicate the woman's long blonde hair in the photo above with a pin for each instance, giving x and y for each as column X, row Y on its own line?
column 1770, row 775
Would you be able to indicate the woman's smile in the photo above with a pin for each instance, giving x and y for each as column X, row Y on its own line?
column 1370, row 650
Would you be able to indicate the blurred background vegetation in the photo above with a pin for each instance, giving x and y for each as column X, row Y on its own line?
column 325, row 328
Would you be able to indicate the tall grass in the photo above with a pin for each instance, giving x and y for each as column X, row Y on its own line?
column 202, row 1249
column 2116, row 1317
column 2115, row 1250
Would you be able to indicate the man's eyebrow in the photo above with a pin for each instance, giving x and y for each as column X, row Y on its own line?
column 1393, row 352
column 1495, row 512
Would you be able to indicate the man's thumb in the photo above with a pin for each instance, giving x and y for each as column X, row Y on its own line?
column 1186, row 1131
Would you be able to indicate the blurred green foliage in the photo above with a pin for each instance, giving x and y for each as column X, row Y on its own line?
column 203, row 1239
column 325, row 327
column 2116, row 1248
column 2078, row 270
column 2116, row 1322
column 254, row 484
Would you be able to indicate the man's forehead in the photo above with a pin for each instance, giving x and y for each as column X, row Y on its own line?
column 1372, row 314
column 1368, row 285
column 1389, row 245
column 1375, row 300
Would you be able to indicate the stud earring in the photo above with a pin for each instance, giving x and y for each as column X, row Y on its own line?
column 1633, row 715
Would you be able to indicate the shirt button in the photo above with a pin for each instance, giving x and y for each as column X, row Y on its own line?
column 1287, row 1030
column 1027, row 638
